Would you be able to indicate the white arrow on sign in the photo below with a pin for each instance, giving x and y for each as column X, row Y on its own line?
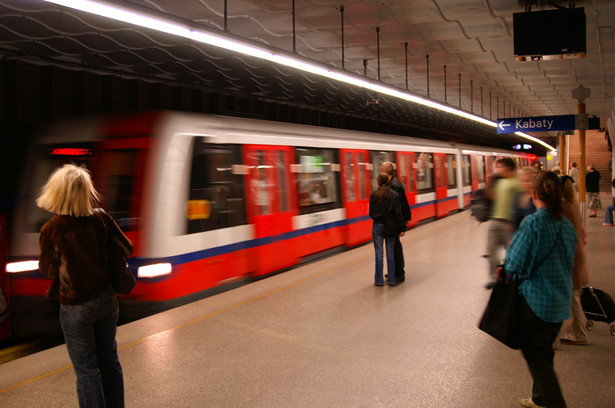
column 502, row 124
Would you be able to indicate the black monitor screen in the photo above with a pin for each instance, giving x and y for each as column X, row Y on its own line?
column 550, row 32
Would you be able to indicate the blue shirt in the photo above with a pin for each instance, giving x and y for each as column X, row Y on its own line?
column 548, row 288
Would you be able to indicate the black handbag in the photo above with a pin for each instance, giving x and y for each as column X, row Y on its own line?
column 122, row 279
column 502, row 319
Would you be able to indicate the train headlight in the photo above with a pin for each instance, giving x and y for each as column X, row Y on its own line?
column 155, row 270
column 23, row 266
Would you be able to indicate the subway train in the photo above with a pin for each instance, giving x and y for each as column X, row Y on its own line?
column 212, row 201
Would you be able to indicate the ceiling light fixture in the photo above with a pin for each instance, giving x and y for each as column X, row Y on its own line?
column 167, row 25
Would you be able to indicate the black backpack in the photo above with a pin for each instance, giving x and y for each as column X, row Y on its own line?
column 480, row 205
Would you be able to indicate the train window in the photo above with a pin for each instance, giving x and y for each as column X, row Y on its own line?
column 282, row 188
column 216, row 197
column 465, row 170
column 424, row 172
column 362, row 181
column 451, row 169
column 120, row 186
column 404, row 172
column 349, row 177
column 317, row 182
column 480, row 168
column 377, row 158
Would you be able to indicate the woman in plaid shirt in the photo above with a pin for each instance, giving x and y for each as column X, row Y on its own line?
column 541, row 256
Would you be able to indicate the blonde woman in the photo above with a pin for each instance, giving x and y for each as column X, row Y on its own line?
column 74, row 254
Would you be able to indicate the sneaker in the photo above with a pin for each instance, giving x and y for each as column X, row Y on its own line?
column 573, row 342
column 528, row 403
column 606, row 224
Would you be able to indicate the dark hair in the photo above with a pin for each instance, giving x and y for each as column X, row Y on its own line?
column 507, row 162
column 383, row 187
column 550, row 191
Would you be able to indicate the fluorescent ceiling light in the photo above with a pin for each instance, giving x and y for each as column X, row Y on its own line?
column 169, row 26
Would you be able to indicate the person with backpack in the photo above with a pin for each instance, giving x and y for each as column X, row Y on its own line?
column 501, row 224
column 396, row 185
column 385, row 211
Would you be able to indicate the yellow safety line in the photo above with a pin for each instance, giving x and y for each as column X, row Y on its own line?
column 217, row 312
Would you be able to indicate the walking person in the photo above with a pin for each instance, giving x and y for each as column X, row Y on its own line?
column 501, row 224
column 396, row 185
column 74, row 253
column 541, row 257
column 385, row 212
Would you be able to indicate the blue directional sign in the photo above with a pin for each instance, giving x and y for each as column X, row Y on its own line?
column 542, row 123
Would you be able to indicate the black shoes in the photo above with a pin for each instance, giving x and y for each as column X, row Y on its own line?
column 397, row 280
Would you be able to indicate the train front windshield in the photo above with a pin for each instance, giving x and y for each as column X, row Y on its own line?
column 47, row 159
column 113, row 175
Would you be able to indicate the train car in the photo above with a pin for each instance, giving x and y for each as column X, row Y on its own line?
column 210, row 201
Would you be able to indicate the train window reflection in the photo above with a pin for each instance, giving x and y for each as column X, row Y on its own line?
column 424, row 172
column 466, row 170
column 349, row 177
column 451, row 168
column 317, row 184
column 216, row 194
column 480, row 168
column 377, row 158
column 282, row 188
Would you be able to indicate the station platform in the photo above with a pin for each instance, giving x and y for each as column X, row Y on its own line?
column 322, row 335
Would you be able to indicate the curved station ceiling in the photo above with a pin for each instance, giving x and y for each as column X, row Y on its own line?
column 454, row 54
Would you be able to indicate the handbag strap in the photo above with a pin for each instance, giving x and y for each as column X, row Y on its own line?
column 559, row 231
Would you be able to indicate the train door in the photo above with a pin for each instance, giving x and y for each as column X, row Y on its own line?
column 270, row 207
column 356, row 190
column 406, row 176
column 120, row 175
column 467, row 171
column 440, row 184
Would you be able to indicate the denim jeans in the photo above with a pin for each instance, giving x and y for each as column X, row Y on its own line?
column 89, row 330
column 608, row 214
column 378, row 237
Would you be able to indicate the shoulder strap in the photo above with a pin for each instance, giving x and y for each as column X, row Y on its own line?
column 559, row 231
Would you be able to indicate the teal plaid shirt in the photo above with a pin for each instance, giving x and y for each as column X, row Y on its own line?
column 548, row 288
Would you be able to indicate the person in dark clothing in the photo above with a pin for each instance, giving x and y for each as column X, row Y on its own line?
column 385, row 211
column 74, row 253
column 592, row 183
column 396, row 185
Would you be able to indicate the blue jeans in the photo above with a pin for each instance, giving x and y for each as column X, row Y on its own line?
column 89, row 330
column 378, row 237
column 608, row 214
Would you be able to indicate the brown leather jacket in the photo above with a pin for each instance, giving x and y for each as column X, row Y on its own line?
column 74, row 253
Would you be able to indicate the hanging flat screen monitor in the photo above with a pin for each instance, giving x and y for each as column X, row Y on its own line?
column 550, row 34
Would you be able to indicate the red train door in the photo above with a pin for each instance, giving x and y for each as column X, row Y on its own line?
column 270, row 207
column 441, row 184
column 407, row 178
column 355, row 172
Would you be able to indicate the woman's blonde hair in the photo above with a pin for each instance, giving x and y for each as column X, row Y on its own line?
column 69, row 191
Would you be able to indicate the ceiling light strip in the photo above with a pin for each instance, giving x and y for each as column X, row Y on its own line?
column 150, row 21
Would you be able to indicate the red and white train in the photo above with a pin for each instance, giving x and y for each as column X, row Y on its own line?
column 209, row 200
